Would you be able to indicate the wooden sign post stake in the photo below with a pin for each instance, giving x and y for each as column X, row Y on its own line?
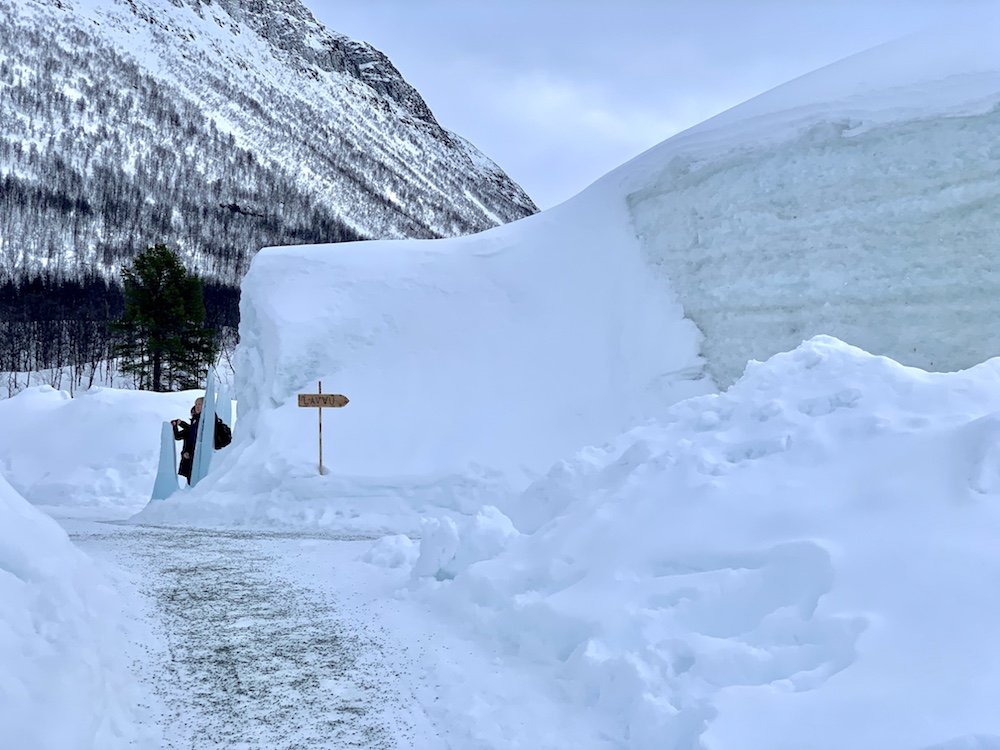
column 320, row 401
column 319, row 392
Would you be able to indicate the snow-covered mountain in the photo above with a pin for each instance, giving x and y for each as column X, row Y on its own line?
column 218, row 128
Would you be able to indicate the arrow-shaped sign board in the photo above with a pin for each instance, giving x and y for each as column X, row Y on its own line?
column 323, row 400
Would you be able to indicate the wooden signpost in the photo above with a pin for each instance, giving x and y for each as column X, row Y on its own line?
column 322, row 401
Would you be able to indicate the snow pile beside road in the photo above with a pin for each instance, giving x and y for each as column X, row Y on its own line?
column 64, row 681
column 94, row 454
column 807, row 560
column 458, row 353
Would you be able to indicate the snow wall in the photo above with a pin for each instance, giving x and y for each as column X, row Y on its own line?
column 860, row 201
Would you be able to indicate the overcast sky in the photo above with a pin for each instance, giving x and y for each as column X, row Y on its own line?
column 560, row 92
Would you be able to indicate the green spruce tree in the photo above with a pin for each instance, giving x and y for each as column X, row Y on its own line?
column 161, row 337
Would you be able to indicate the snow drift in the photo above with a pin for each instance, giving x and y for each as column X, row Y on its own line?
column 94, row 454
column 806, row 560
column 65, row 682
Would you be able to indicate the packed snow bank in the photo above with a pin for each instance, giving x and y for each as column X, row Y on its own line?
column 94, row 454
column 65, row 682
column 505, row 349
column 860, row 201
column 807, row 560
column 470, row 364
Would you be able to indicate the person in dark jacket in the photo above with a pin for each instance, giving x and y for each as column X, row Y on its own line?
column 189, row 434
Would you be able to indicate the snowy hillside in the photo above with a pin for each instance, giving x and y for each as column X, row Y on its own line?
column 216, row 127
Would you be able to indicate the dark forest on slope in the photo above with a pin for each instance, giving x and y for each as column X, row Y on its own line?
column 49, row 323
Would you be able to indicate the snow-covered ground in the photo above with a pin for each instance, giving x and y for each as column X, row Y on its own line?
column 756, row 568
column 254, row 644
column 580, row 540
column 806, row 560
column 66, row 681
